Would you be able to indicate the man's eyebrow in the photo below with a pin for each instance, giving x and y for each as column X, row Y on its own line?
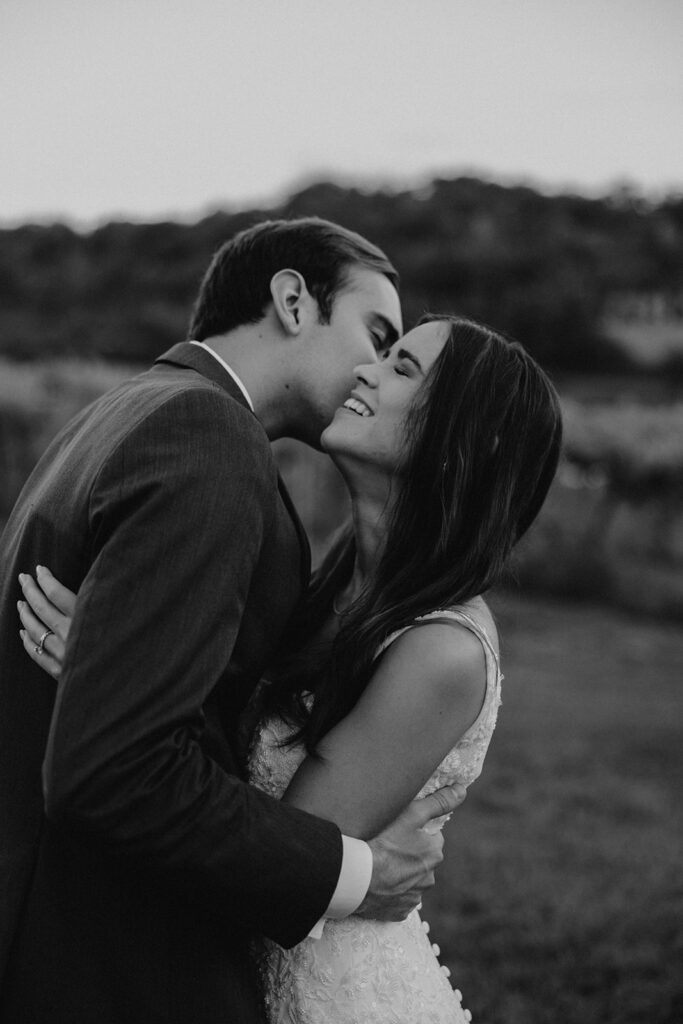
column 403, row 353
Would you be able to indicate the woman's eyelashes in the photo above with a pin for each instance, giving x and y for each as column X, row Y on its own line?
column 400, row 367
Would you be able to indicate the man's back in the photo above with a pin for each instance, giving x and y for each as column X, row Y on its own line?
column 91, row 924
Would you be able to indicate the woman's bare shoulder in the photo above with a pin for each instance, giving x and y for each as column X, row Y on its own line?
column 442, row 656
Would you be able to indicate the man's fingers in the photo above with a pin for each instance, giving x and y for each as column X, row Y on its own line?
column 42, row 608
column 442, row 801
column 61, row 597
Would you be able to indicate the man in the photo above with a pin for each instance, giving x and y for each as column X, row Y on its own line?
column 135, row 863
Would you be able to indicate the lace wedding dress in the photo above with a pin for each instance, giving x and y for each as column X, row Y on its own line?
column 370, row 972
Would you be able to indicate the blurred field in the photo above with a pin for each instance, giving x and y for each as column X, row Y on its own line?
column 612, row 528
column 561, row 899
column 36, row 400
column 649, row 343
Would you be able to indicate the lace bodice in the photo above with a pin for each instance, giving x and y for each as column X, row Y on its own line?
column 366, row 970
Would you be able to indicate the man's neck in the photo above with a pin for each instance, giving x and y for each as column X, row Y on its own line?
column 229, row 369
column 248, row 355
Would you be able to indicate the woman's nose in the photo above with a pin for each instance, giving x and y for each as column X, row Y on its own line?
column 366, row 373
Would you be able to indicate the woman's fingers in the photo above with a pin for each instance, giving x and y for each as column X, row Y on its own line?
column 43, row 608
column 46, row 616
column 45, row 660
column 39, row 634
column 60, row 596
column 34, row 626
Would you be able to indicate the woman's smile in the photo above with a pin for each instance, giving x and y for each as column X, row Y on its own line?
column 357, row 405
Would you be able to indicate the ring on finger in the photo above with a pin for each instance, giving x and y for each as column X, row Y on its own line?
column 40, row 646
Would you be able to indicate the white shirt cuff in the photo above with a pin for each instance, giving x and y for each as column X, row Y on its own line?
column 352, row 885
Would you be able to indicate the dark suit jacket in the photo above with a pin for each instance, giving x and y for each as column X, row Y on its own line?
column 134, row 864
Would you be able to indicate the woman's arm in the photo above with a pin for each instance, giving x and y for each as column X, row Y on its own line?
column 427, row 691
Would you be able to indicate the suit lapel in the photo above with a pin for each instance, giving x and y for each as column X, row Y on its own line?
column 196, row 358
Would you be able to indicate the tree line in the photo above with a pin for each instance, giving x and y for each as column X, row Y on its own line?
column 542, row 267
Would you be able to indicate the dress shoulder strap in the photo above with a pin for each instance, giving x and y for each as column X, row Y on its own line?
column 456, row 615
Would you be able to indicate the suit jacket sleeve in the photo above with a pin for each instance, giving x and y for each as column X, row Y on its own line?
column 177, row 517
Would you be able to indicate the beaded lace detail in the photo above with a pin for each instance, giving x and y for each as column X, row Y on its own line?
column 370, row 971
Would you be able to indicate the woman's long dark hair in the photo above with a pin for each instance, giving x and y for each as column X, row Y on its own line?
column 482, row 445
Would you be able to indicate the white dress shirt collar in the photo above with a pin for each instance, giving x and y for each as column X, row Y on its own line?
column 229, row 369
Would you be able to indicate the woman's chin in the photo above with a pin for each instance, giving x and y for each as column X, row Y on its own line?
column 331, row 435
column 324, row 439
column 345, row 435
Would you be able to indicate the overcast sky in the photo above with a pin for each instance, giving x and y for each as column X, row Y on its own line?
column 154, row 108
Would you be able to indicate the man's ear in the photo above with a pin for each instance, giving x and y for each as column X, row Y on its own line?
column 290, row 296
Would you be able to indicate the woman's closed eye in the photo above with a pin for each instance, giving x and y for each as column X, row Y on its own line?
column 400, row 368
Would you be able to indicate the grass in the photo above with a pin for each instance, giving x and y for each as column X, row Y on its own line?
column 561, row 898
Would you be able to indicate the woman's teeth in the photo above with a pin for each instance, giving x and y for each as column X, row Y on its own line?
column 358, row 407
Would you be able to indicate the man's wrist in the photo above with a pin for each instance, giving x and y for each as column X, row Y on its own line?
column 353, row 883
column 354, row 878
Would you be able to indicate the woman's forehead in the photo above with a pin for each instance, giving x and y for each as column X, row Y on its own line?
column 425, row 341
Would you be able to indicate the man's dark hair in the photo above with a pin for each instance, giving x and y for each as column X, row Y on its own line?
column 236, row 287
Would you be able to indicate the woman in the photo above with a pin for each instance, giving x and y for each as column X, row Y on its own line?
column 390, row 682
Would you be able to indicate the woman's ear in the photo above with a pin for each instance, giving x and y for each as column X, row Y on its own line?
column 290, row 297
